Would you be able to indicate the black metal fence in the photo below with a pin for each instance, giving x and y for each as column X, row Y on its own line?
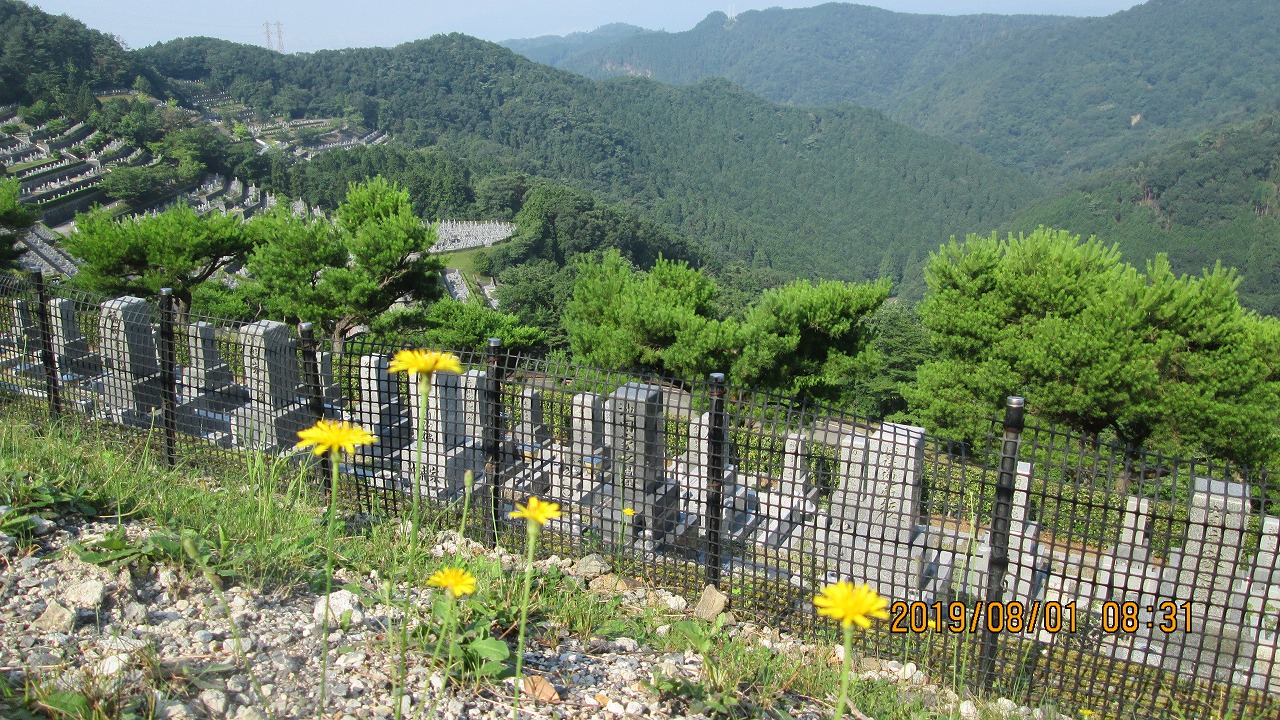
column 1038, row 565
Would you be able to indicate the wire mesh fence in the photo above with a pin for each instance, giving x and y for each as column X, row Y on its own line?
column 1037, row 564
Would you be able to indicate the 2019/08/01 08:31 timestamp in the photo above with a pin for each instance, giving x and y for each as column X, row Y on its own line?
column 1026, row 617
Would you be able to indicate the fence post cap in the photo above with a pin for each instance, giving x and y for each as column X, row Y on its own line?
column 166, row 292
column 495, row 342
column 1015, row 401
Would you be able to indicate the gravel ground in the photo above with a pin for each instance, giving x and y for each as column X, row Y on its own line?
column 164, row 634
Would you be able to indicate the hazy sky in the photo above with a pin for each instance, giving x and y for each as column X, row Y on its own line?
column 317, row 24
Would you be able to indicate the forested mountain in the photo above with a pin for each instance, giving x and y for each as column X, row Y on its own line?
column 555, row 49
column 1101, row 91
column 1216, row 198
column 830, row 54
column 42, row 54
column 837, row 193
column 1055, row 97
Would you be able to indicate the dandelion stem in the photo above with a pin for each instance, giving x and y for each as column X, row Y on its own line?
column 468, row 481
column 534, row 530
column 328, row 579
column 844, row 672
column 424, row 389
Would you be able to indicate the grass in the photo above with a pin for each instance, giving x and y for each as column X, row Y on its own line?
column 258, row 522
column 463, row 260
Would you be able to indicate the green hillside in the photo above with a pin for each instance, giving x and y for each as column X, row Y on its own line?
column 833, row 192
column 555, row 49
column 48, row 57
column 1216, row 198
column 1055, row 97
column 1071, row 99
column 833, row 53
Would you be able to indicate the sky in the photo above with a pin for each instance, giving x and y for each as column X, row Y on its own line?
column 330, row 24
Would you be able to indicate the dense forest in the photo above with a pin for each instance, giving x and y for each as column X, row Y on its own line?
column 1054, row 97
column 47, row 57
column 809, row 193
column 825, row 55
column 1208, row 200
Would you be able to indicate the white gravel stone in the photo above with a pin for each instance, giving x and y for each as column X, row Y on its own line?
column 55, row 618
column 215, row 701
column 341, row 603
column 111, row 665
column 87, row 595
column 238, row 646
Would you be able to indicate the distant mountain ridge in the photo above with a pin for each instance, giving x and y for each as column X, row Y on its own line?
column 807, row 192
column 1055, row 97
column 555, row 49
column 829, row 54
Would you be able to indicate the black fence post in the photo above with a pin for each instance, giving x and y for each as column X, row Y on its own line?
column 493, row 432
column 315, row 399
column 718, row 451
column 52, row 382
column 1001, row 516
column 168, row 377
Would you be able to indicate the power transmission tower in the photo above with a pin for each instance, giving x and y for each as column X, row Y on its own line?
column 279, row 37
column 266, row 29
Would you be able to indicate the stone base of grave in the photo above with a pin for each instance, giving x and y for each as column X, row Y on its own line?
column 206, row 379
column 1210, row 650
column 390, row 424
column 1266, row 663
column 574, row 481
column 138, row 396
column 892, row 568
column 741, row 513
column 209, row 415
column 783, row 518
column 254, row 426
column 1128, row 577
column 442, row 480
column 80, row 362
column 533, row 476
column 23, row 367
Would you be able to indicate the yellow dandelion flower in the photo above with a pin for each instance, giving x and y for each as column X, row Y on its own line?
column 851, row 604
column 424, row 362
column 456, row 580
column 1086, row 712
column 628, row 512
column 537, row 511
column 328, row 435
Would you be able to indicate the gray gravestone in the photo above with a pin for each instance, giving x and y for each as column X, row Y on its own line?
column 25, row 332
column 207, row 370
column 785, row 506
column 127, row 345
column 633, row 418
column 70, row 347
column 274, row 414
column 379, row 409
column 454, row 434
